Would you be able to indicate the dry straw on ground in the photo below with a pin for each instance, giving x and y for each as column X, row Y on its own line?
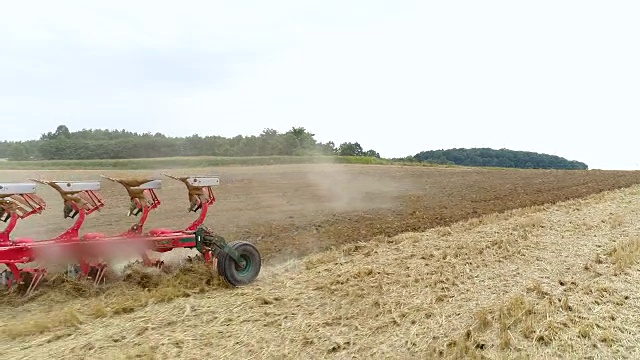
column 556, row 281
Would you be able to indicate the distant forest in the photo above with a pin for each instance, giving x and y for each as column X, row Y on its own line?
column 63, row 144
column 498, row 158
column 93, row 144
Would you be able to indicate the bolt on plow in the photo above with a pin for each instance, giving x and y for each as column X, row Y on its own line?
column 237, row 262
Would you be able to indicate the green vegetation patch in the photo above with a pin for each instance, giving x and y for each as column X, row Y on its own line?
column 502, row 158
column 184, row 162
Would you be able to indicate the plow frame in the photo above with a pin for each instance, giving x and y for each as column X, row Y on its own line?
column 237, row 262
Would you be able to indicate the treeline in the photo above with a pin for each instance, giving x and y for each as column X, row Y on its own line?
column 498, row 158
column 92, row 144
column 98, row 144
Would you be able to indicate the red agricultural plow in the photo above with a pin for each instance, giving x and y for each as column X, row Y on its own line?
column 237, row 262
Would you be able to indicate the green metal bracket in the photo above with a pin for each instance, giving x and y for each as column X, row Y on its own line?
column 199, row 239
column 203, row 240
column 233, row 253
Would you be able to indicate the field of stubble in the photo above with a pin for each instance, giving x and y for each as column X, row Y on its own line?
column 475, row 287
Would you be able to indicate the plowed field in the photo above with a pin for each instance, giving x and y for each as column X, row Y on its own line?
column 294, row 210
column 542, row 282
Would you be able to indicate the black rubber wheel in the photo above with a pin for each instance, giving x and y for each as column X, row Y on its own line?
column 221, row 259
column 232, row 272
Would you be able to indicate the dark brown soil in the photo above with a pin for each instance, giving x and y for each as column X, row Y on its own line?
column 293, row 210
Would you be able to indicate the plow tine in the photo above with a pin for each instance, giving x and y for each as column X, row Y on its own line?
column 99, row 275
column 34, row 282
column 171, row 176
column 109, row 178
column 44, row 182
column 31, row 287
column 37, row 281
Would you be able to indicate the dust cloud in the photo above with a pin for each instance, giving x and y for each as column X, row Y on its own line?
column 346, row 188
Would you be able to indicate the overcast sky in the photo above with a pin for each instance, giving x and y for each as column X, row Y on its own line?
column 559, row 77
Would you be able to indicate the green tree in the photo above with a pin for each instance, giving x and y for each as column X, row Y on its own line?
column 501, row 158
column 372, row 153
column 18, row 152
column 122, row 144
column 350, row 149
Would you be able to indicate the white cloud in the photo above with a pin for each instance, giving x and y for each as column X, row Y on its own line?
column 401, row 77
